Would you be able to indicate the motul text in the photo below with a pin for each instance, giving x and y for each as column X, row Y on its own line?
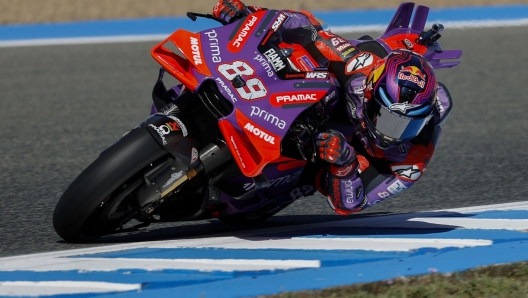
column 195, row 47
column 259, row 133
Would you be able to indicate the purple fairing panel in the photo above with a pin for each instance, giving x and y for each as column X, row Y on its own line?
column 282, row 181
column 402, row 17
column 401, row 24
column 263, row 97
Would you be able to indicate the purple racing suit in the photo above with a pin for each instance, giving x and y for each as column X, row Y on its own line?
column 378, row 173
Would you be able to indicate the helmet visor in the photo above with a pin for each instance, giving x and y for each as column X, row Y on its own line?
column 390, row 126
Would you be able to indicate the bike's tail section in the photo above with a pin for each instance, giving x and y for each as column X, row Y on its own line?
column 402, row 17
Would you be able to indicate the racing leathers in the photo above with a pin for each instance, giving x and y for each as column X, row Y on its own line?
column 358, row 174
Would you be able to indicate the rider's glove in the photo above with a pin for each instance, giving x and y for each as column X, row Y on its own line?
column 334, row 148
column 229, row 10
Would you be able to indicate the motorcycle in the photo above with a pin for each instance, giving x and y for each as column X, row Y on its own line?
column 234, row 140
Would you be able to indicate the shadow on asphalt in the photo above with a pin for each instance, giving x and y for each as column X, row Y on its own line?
column 197, row 229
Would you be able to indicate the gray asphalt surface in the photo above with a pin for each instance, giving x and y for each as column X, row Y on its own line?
column 62, row 105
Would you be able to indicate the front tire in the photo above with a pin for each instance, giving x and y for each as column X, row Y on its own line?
column 92, row 205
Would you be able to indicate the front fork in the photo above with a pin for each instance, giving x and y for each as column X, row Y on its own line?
column 186, row 161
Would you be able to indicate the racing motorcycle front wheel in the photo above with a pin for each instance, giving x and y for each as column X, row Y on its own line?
column 96, row 202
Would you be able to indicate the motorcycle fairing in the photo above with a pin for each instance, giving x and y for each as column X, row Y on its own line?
column 183, row 68
column 264, row 104
column 401, row 33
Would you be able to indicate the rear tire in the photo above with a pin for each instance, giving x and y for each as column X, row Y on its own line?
column 93, row 204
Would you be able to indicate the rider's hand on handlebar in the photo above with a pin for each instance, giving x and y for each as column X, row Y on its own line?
column 334, row 148
column 229, row 10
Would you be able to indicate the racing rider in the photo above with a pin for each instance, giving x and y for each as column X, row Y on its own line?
column 395, row 111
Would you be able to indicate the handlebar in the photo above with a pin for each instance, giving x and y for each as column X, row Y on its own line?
column 194, row 15
column 431, row 36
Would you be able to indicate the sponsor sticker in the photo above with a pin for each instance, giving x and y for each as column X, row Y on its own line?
column 275, row 59
column 295, row 75
column 195, row 49
column 180, row 124
column 173, row 178
column 165, row 129
column 306, row 63
column 292, row 98
column 243, row 33
column 259, row 132
column 268, row 117
column 349, row 191
column 194, row 155
column 213, row 46
column 344, row 47
column 347, row 52
column 396, row 187
column 227, row 90
column 402, row 107
column 408, row 44
column 409, row 172
column 316, row 75
column 414, row 75
column 259, row 58
column 359, row 62
column 278, row 22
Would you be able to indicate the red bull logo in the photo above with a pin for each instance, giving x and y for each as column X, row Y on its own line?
column 416, row 75
column 415, row 71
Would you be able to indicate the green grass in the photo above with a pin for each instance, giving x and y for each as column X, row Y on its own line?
column 510, row 280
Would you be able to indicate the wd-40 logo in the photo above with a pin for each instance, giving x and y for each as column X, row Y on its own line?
column 316, row 75
column 275, row 59
column 195, row 47
column 278, row 22
column 243, row 33
column 260, row 133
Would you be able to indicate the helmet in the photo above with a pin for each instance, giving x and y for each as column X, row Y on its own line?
column 401, row 93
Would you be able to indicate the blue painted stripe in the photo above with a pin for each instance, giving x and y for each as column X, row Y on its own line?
column 444, row 261
column 508, row 214
column 396, row 233
column 102, row 28
column 166, row 25
column 175, row 277
column 249, row 254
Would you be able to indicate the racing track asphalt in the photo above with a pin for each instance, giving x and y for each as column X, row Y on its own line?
column 61, row 105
